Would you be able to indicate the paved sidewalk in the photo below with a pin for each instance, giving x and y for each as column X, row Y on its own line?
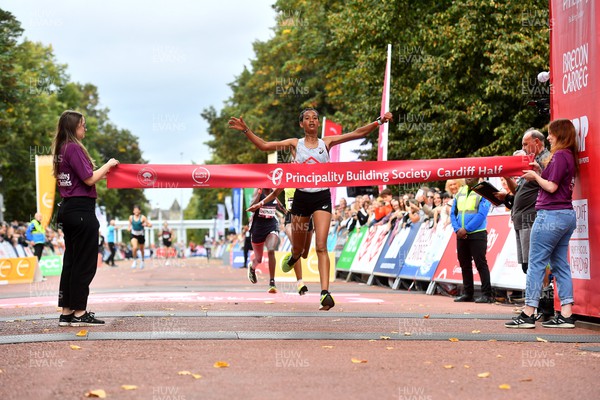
column 375, row 343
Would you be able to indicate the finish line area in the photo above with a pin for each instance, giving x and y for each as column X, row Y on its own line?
column 164, row 322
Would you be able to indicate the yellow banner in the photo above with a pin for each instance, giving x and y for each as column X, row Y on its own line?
column 17, row 270
column 45, row 187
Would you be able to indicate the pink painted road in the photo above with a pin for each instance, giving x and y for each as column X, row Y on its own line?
column 376, row 343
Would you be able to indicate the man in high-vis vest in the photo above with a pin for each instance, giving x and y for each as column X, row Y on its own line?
column 469, row 220
column 36, row 235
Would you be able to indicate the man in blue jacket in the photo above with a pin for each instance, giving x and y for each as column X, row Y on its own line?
column 469, row 220
column 36, row 235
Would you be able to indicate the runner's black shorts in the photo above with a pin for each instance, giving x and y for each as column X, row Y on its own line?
column 261, row 229
column 306, row 203
column 141, row 239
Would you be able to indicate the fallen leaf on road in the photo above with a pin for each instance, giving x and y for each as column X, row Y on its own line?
column 539, row 339
column 128, row 387
column 96, row 393
column 407, row 333
column 449, row 366
column 197, row 376
column 467, row 366
column 453, row 339
column 483, row 375
column 336, row 320
column 504, row 386
column 327, row 347
column 221, row 364
column 358, row 361
column 389, row 348
column 499, row 356
column 426, row 316
column 75, row 347
column 184, row 373
column 475, row 331
column 526, row 380
column 82, row 332
column 384, row 337
column 269, row 302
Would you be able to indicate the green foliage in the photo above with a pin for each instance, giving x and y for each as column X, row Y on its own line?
column 462, row 74
column 34, row 90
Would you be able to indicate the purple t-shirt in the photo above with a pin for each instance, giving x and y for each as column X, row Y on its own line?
column 73, row 169
column 560, row 170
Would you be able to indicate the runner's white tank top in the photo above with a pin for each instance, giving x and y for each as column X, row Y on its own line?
column 304, row 155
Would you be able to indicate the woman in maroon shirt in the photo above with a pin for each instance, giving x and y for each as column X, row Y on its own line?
column 553, row 227
column 76, row 178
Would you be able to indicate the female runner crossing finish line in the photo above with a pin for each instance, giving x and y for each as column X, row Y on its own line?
column 315, row 202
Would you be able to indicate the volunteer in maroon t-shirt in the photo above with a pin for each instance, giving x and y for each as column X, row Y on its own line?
column 76, row 179
column 552, row 229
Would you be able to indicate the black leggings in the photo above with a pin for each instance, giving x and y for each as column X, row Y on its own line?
column 77, row 218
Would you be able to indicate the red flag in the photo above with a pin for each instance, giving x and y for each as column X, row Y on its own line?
column 382, row 148
column 333, row 129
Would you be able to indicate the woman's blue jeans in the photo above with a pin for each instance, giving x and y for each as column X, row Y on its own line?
column 549, row 244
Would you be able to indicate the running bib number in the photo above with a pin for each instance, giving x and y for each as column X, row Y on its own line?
column 266, row 212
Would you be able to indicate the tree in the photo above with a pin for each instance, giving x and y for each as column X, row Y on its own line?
column 34, row 90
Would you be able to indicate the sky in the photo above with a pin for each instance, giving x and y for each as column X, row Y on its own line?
column 156, row 63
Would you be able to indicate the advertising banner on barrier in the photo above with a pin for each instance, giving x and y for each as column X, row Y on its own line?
column 416, row 254
column 365, row 173
column 449, row 270
column 369, row 250
column 507, row 273
column 421, row 263
column 17, row 270
column 51, row 265
column 574, row 57
column 395, row 249
column 352, row 245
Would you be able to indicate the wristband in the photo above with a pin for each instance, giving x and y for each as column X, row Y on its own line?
column 378, row 120
column 246, row 130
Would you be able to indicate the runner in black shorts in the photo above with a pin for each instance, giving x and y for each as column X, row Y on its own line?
column 264, row 232
column 310, row 201
column 289, row 196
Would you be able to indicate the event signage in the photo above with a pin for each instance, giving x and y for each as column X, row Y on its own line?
column 573, row 90
column 354, row 241
column 366, row 173
column 395, row 249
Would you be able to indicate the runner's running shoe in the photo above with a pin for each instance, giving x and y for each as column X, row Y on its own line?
column 302, row 290
column 251, row 273
column 285, row 266
column 326, row 302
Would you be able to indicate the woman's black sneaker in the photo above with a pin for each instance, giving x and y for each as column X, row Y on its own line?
column 87, row 319
column 523, row 321
column 65, row 319
column 560, row 322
